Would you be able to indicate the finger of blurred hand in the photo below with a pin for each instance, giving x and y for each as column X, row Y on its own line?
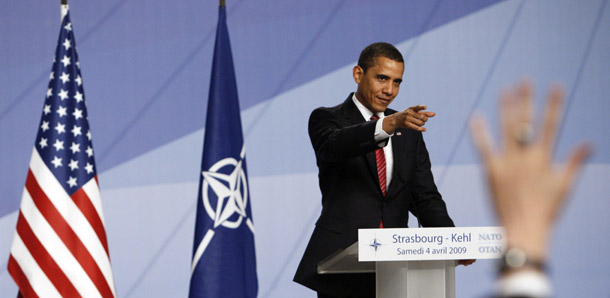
column 525, row 97
column 574, row 164
column 552, row 116
column 516, row 116
column 507, row 119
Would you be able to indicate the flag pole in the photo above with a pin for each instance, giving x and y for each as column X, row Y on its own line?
column 64, row 9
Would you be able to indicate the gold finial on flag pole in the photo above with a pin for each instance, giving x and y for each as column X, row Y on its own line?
column 222, row 3
column 64, row 2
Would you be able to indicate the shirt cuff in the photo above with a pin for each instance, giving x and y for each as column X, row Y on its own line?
column 381, row 137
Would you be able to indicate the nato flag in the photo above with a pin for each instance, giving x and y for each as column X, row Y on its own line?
column 224, row 263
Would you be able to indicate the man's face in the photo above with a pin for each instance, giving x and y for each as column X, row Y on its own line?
column 378, row 87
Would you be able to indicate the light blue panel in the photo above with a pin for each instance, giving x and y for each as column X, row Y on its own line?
column 285, row 208
column 580, row 245
column 550, row 44
column 150, row 234
column 180, row 161
column 7, row 230
column 589, row 102
column 446, row 70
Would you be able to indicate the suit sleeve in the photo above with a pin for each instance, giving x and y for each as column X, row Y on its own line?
column 427, row 203
column 335, row 141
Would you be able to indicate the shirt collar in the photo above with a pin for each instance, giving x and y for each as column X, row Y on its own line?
column 366, row 113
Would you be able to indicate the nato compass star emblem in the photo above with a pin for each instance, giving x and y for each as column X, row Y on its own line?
column 224, row 192
column 375, row 244
column 227, row 180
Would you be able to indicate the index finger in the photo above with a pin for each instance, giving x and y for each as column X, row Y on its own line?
column 552, row 116
column 418, row 108
column 428, row 114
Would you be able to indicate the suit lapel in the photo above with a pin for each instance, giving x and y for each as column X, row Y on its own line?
column 353, row 116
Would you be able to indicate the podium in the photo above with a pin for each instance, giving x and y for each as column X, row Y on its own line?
column 410, row 263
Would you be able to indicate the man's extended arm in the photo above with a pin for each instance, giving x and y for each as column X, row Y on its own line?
column 333, row 141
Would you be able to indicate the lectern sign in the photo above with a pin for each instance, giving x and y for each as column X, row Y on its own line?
column 430, row 244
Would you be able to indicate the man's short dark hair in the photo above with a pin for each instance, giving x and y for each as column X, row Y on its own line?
column 369, row 55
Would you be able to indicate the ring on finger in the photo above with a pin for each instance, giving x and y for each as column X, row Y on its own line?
column 523, row 133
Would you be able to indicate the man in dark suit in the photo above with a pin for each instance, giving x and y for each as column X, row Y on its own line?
column 371, row 172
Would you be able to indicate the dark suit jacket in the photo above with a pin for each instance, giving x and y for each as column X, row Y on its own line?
column 351, row 197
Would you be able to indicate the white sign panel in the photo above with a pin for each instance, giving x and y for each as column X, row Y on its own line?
column 430, row 244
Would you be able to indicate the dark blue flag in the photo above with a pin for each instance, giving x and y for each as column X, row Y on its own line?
column 224, row 263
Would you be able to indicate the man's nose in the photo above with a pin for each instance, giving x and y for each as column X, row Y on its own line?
column 388, row 88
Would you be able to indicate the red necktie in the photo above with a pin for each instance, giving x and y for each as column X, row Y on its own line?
column 380, row 158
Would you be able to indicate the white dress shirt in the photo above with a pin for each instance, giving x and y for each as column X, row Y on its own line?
column 380, row 137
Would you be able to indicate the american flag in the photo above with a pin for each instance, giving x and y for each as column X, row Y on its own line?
column 60, row 247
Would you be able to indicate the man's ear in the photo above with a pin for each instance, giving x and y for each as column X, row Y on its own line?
column 358, row 74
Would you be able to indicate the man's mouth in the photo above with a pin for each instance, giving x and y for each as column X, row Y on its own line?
column 384, row 100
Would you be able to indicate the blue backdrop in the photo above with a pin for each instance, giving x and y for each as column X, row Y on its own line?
column 146, row 70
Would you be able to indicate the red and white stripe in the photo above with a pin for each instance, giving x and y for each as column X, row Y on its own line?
column 60, row 247
column 381, row 166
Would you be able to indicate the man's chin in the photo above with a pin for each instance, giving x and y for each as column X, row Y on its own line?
column 381, row 108
column 382, row 105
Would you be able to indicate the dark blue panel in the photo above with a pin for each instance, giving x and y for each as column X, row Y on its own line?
column 278, row 45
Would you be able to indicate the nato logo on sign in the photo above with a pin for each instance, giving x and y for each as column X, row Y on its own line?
column 375, row 244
